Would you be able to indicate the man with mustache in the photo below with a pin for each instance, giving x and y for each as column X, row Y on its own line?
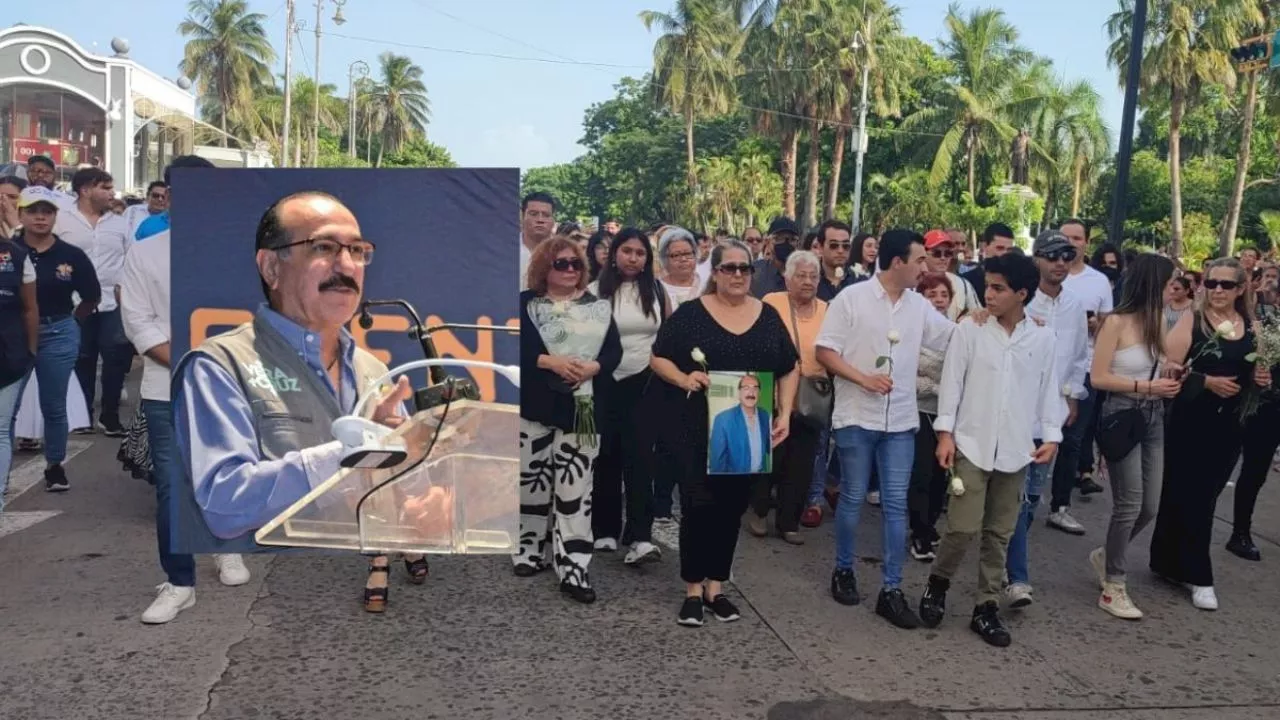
column 253, row 407
column 740, row 435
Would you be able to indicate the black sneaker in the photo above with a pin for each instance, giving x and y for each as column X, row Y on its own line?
column 844, row 587
column 691, row 612
column 986, row 622
column 55, row 479
column 922, row 550
column 112, row 428
column 720, row 606
column 892, row 606
column 578, row 593
column 1241, row 545
column 1087, row 486
column 933, row 604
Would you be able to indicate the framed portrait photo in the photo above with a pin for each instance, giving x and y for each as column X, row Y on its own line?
column 740, row 418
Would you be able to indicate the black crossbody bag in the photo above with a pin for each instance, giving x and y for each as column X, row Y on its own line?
column 1121, row 431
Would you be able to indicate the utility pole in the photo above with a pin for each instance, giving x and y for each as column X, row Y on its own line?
column 860, row 42
column 315, row 111
column 363, row 67
column 1115, row 231
column 288, row 85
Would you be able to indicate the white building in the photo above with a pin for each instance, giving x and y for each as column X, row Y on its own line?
column 81, row 109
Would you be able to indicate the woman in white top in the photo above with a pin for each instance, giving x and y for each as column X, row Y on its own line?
column 678, row 253
column 626, row 450
column 1129, row 346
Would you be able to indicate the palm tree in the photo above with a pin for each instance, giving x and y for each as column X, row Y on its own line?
column 1261, row 11
column 269, row 108
column 990, row 87
column 228, row 56
column 1185, row 47
column 695, row 63
column 399, row 102
column 1068, row 127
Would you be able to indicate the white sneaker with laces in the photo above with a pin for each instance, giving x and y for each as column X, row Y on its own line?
column 1098, row 559
column 1062, row 520
column 171, row 601
column 1115, row 600
column 1204, row 598
column 231, row 570
column 1018, row 596
column 606, row 545
column 642, row 553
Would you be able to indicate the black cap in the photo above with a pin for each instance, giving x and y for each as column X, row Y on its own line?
column 784, row 225
column 41, row 160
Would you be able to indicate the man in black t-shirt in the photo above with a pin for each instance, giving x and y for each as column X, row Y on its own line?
column 996, row 240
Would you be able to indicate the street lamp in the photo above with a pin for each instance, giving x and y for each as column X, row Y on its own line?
column 859, row 43
column 361, row 68
column 315, row 119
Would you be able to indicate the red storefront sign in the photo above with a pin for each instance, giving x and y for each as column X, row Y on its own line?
column 24, row 150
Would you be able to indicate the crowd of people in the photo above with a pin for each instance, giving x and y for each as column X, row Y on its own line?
column 904, row 376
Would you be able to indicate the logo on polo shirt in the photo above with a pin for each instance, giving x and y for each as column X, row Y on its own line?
column 63, row 271
column 6, row 261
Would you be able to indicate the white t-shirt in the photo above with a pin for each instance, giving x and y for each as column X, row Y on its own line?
column 1093, row 290
column 677, row 295
column 28, row 271
column 144, row 311
column 525, row 256
column 636, row 330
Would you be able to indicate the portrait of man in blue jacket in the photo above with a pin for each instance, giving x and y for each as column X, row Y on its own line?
column 740, row 435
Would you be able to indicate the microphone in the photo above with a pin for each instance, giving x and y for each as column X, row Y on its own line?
column 444, row 388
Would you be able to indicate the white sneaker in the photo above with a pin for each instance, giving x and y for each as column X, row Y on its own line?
column 606, row 545
column 231, row 570
column 643, row 553
column 1018, row 595
column 873, row 498
column 1062, row 520
column 171, row 601
column 1115, row 600
column 1098, row 559
column 1204, row 598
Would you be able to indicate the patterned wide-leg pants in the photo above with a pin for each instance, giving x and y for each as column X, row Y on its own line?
column 556, row 474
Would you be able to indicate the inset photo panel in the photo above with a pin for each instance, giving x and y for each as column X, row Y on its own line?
column 740, row 418
column 344, row 362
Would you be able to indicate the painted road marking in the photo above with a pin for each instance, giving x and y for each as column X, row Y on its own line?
column 31, row 473
column 12, row 522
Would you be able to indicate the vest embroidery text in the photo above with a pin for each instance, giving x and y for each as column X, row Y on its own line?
column 275, row 380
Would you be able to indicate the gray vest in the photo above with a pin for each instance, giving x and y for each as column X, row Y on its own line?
column 292, row 409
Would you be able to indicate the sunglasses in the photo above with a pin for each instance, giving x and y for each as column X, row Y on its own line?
column 156, row 196
column 1224, row 284
column 942, row 253
column 839, row 246
column 567, row 265
column 1059, row 255
column 742, row 269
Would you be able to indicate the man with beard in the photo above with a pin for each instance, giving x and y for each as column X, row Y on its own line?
column 41, row 171
column 740, row 435
column 537, row 221
column 253, row 407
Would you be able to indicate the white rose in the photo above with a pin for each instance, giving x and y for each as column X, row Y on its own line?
column 894, row 337
column 1226, row 328
column 956, row 486
column 698, row 356
column 839, row 274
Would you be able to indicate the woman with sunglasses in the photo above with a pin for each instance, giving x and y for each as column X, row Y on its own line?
column 1203, row 435
column 639, row 306
column 731, row 331
column 567, row 340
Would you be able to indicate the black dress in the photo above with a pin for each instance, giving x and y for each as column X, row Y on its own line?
column 1201, row 446
column 711, row 505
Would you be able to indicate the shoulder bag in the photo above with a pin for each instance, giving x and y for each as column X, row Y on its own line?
column 816, row 396
column 1121, row 431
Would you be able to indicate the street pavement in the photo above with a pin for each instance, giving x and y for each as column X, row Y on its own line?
column 77, row 569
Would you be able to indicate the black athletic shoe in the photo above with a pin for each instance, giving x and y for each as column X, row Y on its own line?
column 1088, row 486
column 578, row 593
column 892, row 606
column 720, row 606
column 933, row 604
column 986, row 622
column 112, row 428
column 55, row 479
column 1241, row 545
column 691, row 612
column 844, row 587
column 922, row 549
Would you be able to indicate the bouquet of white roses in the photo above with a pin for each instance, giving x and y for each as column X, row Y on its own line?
column 1266, row 353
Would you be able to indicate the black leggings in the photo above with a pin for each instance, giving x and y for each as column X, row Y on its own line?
column 928, row 489
column 626, row 460
column 1261, row 438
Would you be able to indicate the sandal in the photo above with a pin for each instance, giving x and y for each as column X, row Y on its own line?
column 417, row 570
column 375, row 599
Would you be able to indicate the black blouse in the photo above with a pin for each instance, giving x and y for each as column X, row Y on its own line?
column 765, row 347
column 1229, row 361
column 544, row 396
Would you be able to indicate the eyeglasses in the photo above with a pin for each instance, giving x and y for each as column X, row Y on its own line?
column 361, row 252
column 1059, row 255
column 567, row 265
column 680, row 256
column 156, row 196
column 1224, row 284
column 942, row 253
column 743, row 269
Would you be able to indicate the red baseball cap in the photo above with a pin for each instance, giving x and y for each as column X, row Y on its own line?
column 934, row 238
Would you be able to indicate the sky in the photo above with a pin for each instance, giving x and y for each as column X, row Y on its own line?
column 556, row 57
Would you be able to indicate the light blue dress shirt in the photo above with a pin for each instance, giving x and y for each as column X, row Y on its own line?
column 236, row 489
column 753, row 441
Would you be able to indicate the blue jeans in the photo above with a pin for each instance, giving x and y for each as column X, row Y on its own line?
column 820, row 467
column 10, row 395
column 892, row 454
column 1018, row 562
column 56, row 358
column 180, row 569
column 103, row 334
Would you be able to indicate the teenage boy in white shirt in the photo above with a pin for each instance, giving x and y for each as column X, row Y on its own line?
column 870, row 341
column 998, row 384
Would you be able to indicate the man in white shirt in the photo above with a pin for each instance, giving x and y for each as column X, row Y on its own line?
column 1057, row 309
column 870, row 341
column 537, row 221
column 104, row 236
column 1075, row 465
column 144, row 300
column 998, row 384
column 41, row 171
column 157, row 202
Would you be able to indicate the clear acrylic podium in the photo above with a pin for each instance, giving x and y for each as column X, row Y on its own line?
column 457, row 491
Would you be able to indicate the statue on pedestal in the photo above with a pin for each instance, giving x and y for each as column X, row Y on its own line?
column 1019, row 158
